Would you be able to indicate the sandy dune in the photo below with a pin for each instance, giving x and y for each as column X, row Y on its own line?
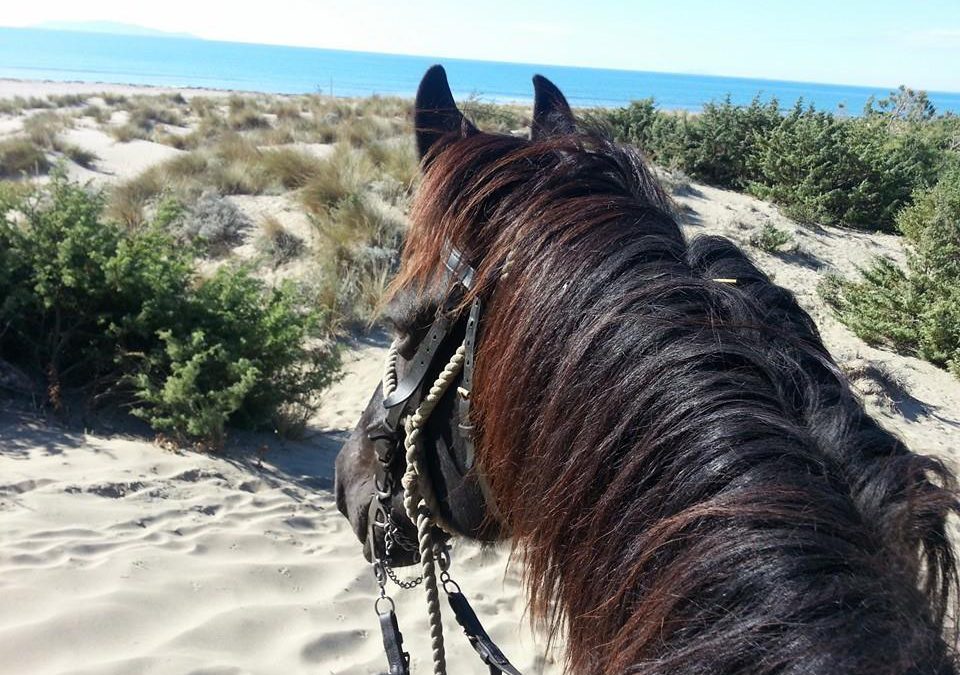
column 117, row 556
column 115, row 160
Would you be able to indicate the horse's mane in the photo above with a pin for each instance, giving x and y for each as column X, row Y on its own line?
column 686, row 472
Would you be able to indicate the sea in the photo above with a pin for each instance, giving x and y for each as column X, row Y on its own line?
column 37, row 54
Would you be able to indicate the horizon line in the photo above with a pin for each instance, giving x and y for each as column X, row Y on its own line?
column 171, row 35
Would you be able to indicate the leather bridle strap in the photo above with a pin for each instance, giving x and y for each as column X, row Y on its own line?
column 465, row 391
column 462, row 274
column 479, row 640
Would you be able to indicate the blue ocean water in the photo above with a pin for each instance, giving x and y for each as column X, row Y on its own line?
column 185, row 62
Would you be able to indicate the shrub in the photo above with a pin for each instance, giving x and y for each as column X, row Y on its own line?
column 722, row 143
column 281, row 244
column 247, row 357
column 717, row 146
column 79, row 291
column 914, row 310
column 107, row 311
column 853, row 172
column 849, row 172
column 770, row 238
column 19, row 156
column 214, row 223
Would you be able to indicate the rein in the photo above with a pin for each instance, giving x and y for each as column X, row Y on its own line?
column 419, row 498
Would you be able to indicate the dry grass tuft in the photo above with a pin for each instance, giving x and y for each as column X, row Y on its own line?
column 98, row 113
column 67, row 100
column 19, row 156
column 396, row 158
column 43, row 127
column 18, row 104
column 343, row 173
column 291, row 168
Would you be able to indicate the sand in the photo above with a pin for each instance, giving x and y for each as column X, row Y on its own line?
column 120, row 556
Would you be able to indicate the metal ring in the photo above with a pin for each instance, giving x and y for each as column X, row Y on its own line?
column 376, row 604
column 450, row 582
column 443, row 558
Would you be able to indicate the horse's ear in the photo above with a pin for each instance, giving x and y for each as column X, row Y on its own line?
column 435, row 111
column 551, row 112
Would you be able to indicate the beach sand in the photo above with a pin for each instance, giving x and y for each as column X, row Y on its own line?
column 118, row 555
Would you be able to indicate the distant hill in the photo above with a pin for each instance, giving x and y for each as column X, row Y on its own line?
column 111, row 27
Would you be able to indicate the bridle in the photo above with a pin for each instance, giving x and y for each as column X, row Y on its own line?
column 407, row 405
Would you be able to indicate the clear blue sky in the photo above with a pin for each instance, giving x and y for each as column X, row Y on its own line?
column 870, row 42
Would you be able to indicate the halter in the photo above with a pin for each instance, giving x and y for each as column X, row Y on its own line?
column 406, row 402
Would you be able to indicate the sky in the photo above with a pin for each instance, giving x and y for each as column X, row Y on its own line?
column 880, row 43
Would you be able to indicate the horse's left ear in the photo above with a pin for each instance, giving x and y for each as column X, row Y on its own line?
column 435, row 111
column 551, row 112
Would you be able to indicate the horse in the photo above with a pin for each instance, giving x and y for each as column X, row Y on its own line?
column 685, row 473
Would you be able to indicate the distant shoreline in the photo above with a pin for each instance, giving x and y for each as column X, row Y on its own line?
column 12, row 87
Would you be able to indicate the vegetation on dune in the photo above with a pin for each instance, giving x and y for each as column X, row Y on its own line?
column 19, row 156
column 101, row 311
column 279, row 243
column 914, row 310
column 821, row 167
column 770, row 238
column 213, row 224
column 194, row 354
column 19, row 104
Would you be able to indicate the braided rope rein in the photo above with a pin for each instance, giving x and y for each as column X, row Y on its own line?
column 419, row 499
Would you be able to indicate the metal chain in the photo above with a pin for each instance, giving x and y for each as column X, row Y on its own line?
column 390, row 535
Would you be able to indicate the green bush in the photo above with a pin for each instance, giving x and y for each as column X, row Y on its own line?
column 242, row 356
column 770, row 238
column 848, row 172
column 914, row 310
column 105, row 311
column 717, row 146
column 821, row 167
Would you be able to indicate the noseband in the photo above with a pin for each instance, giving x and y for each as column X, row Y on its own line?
column 408, row 403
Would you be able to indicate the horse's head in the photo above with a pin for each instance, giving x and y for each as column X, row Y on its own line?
column 430, row 312
column 605, row 397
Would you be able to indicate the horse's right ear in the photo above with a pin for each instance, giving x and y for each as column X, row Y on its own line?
column 551, row 112
column 435, row 111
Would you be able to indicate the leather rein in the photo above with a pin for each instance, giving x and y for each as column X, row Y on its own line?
column 407, row 405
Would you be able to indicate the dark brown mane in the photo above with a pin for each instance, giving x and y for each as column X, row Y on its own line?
column 687, row 476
